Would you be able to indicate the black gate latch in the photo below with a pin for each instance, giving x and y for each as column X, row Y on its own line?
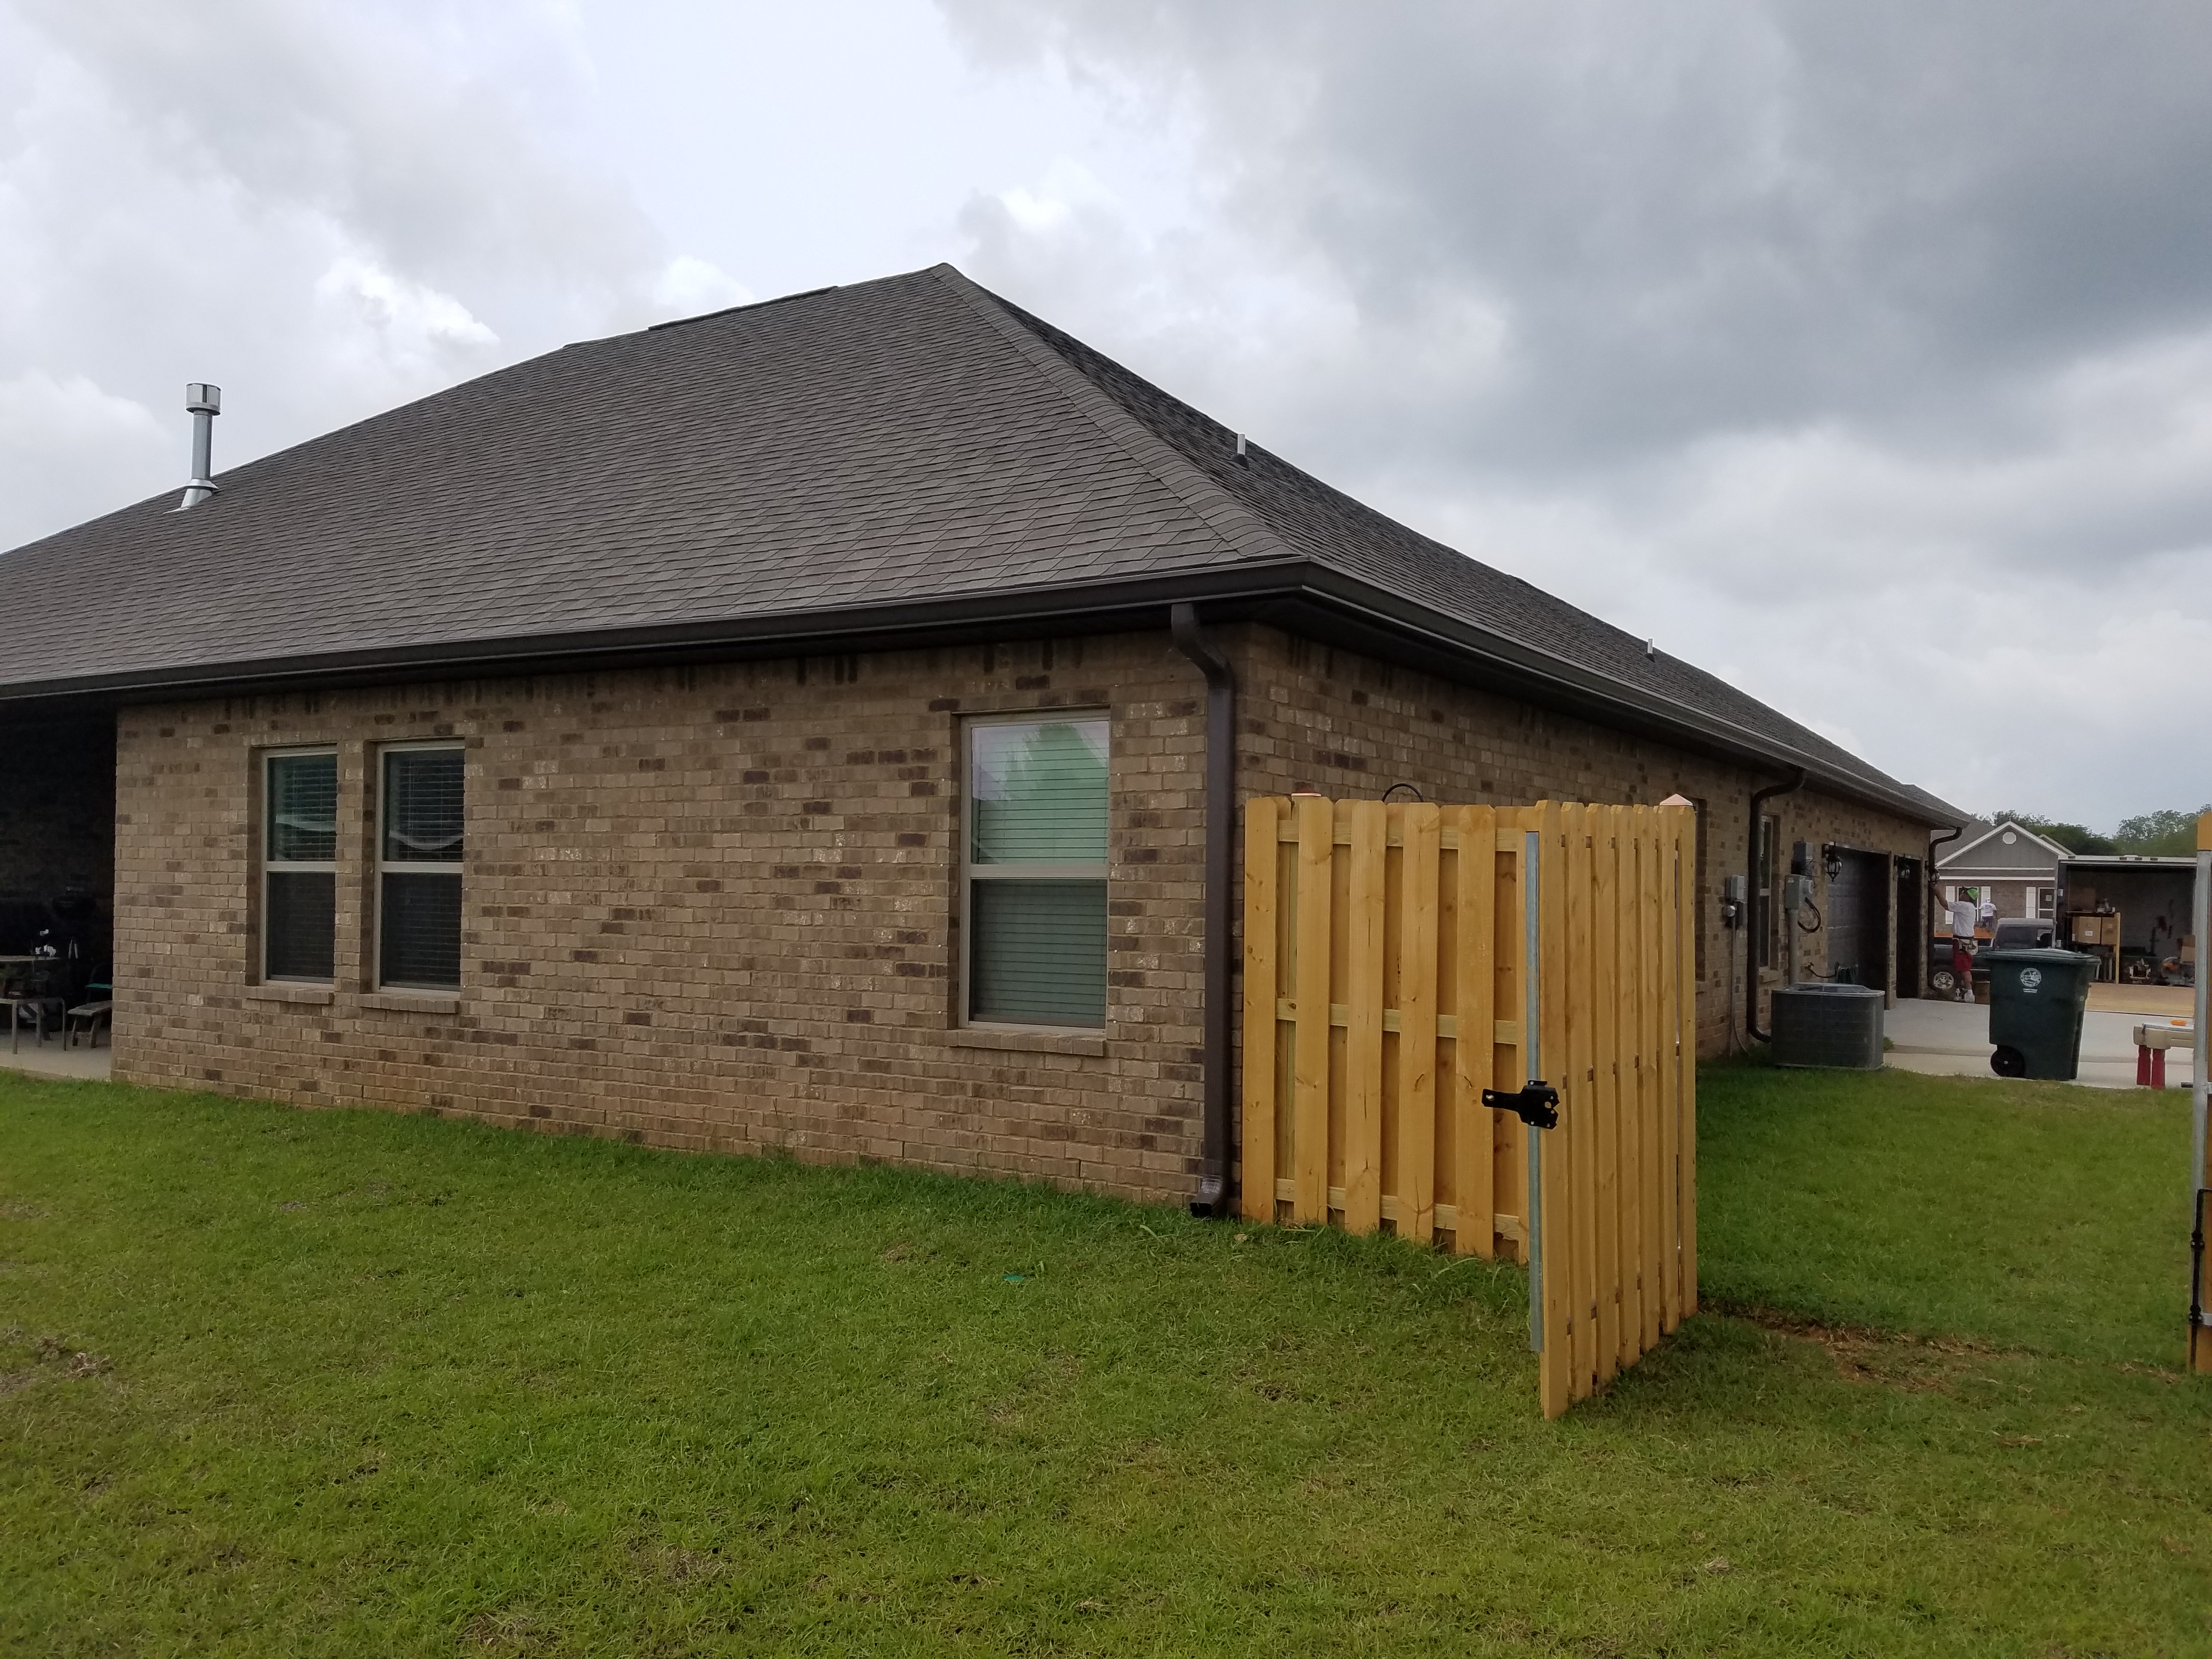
column 1537, row 1104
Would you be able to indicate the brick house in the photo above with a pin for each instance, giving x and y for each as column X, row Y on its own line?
column 817, row 724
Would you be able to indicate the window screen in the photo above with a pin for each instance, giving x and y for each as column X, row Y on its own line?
column 299, row 899
column 1036, row 871
column 419, row 872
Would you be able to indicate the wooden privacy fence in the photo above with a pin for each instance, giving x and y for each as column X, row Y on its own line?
column 1402, row 959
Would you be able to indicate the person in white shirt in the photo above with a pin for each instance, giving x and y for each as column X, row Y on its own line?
column 1989, row 915
column 1962, row 942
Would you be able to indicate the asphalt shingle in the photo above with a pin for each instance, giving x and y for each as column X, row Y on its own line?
column 908, row 440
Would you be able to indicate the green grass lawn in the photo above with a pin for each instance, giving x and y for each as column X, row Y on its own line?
column 347, row 1382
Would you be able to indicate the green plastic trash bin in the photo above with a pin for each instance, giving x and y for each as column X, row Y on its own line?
column 2036, row 1000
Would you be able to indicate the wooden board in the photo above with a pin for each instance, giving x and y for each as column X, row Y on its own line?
column 1263, row 950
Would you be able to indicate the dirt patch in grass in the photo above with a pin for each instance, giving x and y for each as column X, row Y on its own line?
column 1862, row 1355
column 54, row 1359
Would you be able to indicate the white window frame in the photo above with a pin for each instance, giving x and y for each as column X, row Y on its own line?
column 384, row 866
column 971, row 871
column 270, row 865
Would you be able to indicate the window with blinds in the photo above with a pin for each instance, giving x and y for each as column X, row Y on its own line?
column 1034, row 872
column 418, row 870
column 299, row 866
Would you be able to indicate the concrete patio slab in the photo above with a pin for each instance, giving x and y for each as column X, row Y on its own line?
column 50, row 1059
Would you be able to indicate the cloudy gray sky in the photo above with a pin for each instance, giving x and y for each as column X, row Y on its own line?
column 1863, row 355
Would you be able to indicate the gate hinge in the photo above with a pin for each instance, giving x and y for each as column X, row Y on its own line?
column 1537, row 1105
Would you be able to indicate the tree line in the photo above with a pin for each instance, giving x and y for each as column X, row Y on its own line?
column 2154, row 834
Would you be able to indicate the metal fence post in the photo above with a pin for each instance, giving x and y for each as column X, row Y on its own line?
column 1532, row 1051
column 2200, row 1091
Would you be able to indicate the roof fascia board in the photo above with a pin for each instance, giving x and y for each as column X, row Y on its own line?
column 1094, row 608
column 1305, row 597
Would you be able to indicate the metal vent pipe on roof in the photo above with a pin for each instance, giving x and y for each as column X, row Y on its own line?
column 203, row 402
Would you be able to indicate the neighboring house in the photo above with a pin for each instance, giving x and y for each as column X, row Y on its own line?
column 817, row 724
column 2007, row 862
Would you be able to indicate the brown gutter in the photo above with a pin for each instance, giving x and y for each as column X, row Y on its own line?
column 1213, row 1186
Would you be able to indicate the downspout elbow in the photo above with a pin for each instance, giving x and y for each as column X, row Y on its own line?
column 1191, row 639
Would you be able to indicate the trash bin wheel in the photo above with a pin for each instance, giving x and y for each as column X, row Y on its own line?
column 2009, row 1062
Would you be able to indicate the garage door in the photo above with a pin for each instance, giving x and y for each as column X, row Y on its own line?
column 1858, row 920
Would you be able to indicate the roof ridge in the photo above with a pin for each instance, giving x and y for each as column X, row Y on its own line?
column 1236, row 524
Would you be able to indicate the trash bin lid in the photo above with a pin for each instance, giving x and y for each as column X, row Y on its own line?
column 1823, row 987
column 2042, row 954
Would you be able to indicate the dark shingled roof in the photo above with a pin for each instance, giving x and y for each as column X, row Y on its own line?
column 911, row 450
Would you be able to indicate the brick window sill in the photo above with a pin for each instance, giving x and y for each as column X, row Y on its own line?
column 279, row 992
column 1033, row 1043
column 413, row 1002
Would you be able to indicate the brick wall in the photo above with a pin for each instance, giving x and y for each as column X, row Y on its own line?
column 714, row 907
column 1314, row 717
column 704, row 909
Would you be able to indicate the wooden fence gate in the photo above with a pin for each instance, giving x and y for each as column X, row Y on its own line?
column 1399, row 960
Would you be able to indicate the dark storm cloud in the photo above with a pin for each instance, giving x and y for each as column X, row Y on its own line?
column 1862, row 353
column 1702, row 215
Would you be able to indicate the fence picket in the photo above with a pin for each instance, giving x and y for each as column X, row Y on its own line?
column 1263, row 866
column 1510, row 891
column 1670, row 1121
column 1685, row 975
column 1651, row 1151
column 1316, row 825
column 1635, row 1153
column 1605, row 1056
column 1415, row 1106
column 1363, row 997
column 1557, row 1242
column 1474, row 1181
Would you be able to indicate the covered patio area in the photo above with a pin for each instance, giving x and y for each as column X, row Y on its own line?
column 56, row 880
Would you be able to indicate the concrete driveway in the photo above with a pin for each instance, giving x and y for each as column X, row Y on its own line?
column 1952, row 1039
